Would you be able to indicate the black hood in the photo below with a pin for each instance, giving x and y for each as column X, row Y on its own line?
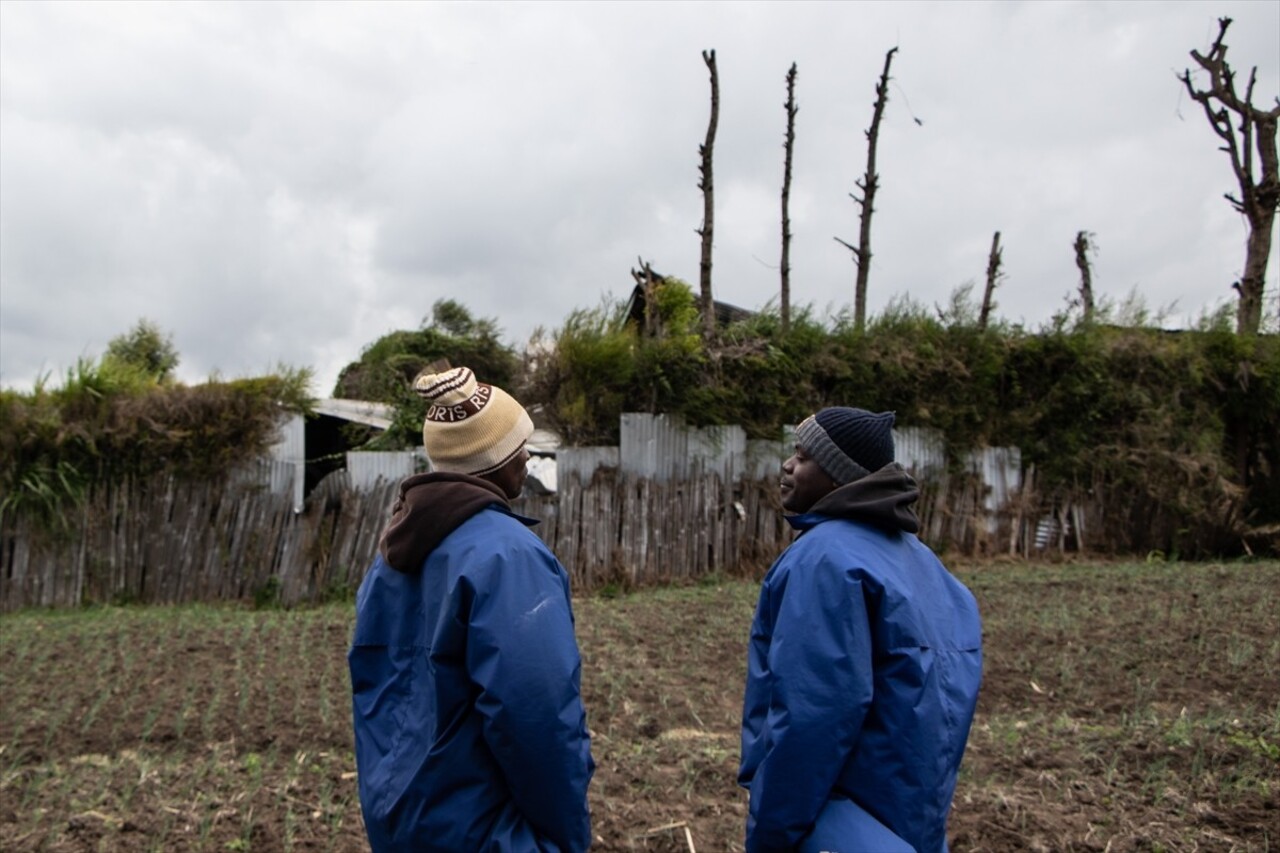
column 882, row 498
column 429, row 508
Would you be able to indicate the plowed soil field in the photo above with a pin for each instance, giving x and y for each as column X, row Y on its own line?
column 1124, row 708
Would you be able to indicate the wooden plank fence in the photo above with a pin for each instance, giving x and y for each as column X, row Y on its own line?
column 635, row 531
column 169, row 541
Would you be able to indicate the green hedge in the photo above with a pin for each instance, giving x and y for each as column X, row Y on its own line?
column 1176, row 432
column 109, row 422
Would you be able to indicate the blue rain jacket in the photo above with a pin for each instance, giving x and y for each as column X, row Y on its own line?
column 863, row 673
column 470, row 730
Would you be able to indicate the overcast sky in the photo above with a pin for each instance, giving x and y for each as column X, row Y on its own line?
column 286, row 182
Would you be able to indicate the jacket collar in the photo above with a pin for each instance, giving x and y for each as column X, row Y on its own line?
column 431, row 506
column 882, row 499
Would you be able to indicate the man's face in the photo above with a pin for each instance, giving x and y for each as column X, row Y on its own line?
column 510, row 477
column 804, row 482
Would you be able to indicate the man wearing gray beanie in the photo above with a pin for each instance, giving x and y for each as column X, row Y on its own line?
column 865, row 658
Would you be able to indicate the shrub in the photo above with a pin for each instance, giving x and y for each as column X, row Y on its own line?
column 386, row 369
column 1176, row 433
column 108, row 423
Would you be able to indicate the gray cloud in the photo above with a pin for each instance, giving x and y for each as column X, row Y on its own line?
column 286, row 182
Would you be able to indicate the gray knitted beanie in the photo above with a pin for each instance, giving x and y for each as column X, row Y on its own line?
column 848, row 443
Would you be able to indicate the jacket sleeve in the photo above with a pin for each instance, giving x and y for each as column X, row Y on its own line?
column 523, row 657
column 820, row 687
column 755, row 700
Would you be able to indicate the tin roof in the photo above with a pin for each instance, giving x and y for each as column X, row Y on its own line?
column 359, row 411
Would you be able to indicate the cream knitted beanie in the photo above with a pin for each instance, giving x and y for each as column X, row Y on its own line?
column 471, row 427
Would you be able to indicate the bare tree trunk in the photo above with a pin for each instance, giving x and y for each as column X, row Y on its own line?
column 869, row 184
column 1259, row 198
column 1083, row 246
column 792, row 109
column 1254, row 281
column 708, row 200
column 994, row 262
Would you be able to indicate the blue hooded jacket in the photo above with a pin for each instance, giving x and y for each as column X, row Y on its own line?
column 863, row 674
column 470, row 733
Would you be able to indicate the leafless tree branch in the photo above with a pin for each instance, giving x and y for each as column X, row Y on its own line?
column 708, row 200
column 1259, row 196
column 789, row 146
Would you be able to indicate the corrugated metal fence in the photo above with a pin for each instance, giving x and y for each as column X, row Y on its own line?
column 669, row 503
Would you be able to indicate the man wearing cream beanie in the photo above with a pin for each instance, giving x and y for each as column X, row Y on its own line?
column 465, row 672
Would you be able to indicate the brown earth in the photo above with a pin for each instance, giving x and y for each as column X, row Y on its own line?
column 1123, row 709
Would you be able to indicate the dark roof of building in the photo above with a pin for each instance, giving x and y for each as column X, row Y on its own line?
column 725, row 313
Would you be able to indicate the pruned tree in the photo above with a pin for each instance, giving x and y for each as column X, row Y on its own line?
column 994, row 262
column 708, row 200
column 869, row 183
column 789, row 147
column 1084, row 247
column 1243, row 127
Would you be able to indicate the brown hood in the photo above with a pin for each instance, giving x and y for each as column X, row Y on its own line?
column 882, row 498
column 429, row 508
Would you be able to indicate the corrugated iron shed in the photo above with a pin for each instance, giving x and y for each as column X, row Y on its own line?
column 357, row 411
column 582, row 462
column 663, row 448
column 288, row 461
column 921, row 450
column 367, row 469
column 1000, row 469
